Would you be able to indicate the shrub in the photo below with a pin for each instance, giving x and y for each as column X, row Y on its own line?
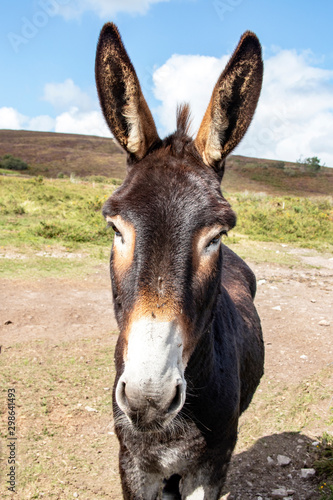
column 9, row 162
column 311, row 164
column 278, row 164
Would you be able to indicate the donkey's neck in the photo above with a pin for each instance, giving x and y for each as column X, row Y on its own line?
column 200, row 367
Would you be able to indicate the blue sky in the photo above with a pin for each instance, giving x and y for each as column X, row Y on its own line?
column 178, row 48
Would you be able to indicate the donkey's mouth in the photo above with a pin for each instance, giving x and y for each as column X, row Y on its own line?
column 152, row 420
column 155, row 427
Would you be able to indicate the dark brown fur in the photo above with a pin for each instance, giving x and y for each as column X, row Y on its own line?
column 171, row 199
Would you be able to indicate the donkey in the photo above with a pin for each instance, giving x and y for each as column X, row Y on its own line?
column 190, row 352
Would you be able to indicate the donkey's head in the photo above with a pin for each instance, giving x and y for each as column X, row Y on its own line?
column 168, row 218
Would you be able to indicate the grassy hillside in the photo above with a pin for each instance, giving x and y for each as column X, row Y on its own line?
column 275, row 177
column 39, row 217
column 51, row 154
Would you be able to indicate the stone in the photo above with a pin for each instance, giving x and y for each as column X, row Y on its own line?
column 89, row 408
column 279, row 493
column 324, row 322
column 270, row 461
column 307, row 473
column 283, row 460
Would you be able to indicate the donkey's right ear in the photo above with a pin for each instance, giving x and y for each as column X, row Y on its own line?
column 122, row 102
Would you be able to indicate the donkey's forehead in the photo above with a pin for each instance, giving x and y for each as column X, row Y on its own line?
column 169, row 191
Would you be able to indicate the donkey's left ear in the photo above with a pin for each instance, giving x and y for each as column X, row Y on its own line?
column 123, row 105
column 232, row 104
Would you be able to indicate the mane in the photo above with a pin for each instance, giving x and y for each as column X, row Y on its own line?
column 183, row 117
column 177, row 142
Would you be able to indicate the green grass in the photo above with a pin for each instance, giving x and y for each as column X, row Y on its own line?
column 4, row 171
column 49, row 227
column 306, row 222
column 43, row 221
column 38, row 211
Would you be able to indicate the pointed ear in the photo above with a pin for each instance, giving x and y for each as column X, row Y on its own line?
column 232, row 104
column 122, row 102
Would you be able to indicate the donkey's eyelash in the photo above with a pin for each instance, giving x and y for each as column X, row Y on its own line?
column 115, row 229
column 217, row 238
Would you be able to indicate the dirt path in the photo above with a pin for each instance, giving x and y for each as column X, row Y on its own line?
column 296, row 310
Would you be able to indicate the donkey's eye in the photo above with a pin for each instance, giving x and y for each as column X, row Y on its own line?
column 115, row 229
column 217, row 238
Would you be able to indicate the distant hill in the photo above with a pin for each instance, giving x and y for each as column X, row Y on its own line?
column 275, row 177
column 50, row 154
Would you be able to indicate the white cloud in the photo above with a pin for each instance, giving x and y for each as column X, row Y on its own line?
column 10, row 118
column 75, row 121
column 185, row 79
column 104, row 8
column 77, row 113
column 41, row 123
column 65, row 94
column 295, row 112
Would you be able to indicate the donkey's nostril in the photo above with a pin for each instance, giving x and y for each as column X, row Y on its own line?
column 176, row 403
column 121, row 394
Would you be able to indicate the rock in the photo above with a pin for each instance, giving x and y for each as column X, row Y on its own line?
column 315, row 443
column 270, row 461
column 283, row 460
column 261, row 282
column 89, row 408
column 303, row 356
column 277, row 308
column 279, row 493
column 307, row 473
column 324, row 322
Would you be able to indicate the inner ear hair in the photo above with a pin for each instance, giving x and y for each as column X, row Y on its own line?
column 123, row 104
column 232, row 104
